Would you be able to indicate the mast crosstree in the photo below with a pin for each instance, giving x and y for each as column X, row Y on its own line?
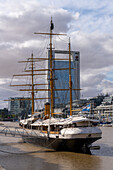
column 51, row 66
column 33, row 71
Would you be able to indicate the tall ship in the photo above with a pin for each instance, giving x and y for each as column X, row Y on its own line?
column 73, row 133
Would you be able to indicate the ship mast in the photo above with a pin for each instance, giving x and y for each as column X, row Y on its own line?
column 32, row 84
column 32, row 75
column 51, row 69
column 51, row 65
column 70, row 81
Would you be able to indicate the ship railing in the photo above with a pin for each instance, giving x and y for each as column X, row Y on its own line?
column 17, row 131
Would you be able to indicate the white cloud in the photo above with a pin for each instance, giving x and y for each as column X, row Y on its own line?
column 89, row 24
column 76, row 15
column 106, row 86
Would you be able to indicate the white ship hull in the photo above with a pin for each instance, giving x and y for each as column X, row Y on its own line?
column 70, row 139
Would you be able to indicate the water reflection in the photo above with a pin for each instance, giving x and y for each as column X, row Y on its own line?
column 46, row 159
column 60, row 160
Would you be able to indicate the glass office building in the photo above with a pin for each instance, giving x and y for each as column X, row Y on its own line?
column 61, row 78
column 17, row 105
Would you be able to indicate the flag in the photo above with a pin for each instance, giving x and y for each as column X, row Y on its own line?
column 86, row 108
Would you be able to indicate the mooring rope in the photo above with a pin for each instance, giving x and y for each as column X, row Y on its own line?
column 23, row 153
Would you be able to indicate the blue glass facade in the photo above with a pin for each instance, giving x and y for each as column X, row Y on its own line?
column 62, row 82
column 61, row 78
column 18, row 106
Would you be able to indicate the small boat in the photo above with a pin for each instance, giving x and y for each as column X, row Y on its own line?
column 74, row 133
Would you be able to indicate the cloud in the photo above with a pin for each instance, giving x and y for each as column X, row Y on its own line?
column 91, row 80
column 88, row 23
column 96, row 61
column 93, row 48
column 76, row 15
column 106, row 86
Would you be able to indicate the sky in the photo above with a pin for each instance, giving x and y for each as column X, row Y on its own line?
column 89, row 24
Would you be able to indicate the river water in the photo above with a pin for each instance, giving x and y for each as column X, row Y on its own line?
column 15, row 155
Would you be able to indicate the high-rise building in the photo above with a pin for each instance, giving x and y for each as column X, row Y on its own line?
column 17, row 106
column 61, row 78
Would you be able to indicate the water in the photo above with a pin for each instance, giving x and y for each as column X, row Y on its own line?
column 48, row 159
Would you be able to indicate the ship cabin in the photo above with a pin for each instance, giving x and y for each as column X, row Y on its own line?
column 56, row 125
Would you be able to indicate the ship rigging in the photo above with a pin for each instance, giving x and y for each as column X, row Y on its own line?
column 73, row 133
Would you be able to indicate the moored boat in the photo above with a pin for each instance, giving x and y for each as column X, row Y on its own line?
column 71, row 134
column 75, row 133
